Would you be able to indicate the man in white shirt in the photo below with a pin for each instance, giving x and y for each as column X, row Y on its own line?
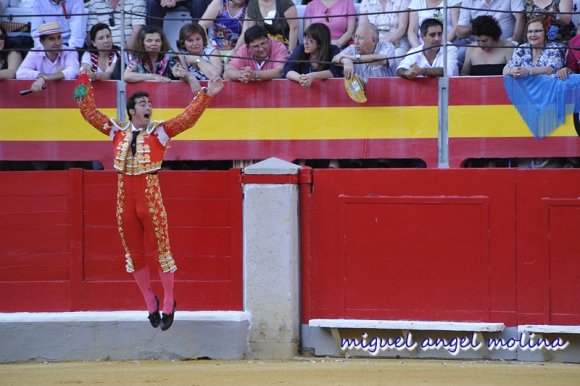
column 427, row 59
column 71, row 16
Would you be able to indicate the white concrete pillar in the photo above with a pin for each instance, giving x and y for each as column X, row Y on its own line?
column 272, row 258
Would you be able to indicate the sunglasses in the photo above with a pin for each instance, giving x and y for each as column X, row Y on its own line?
column 326, row 16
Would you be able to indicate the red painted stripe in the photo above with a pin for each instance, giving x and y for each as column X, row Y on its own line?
column 481, row 90
column 331, row 93
column 56, row 95
column 287, row 94
column 273, row 94
column 461, row 149
column 425, row 149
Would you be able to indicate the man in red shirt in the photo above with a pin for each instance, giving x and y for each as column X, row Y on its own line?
column 262, row 58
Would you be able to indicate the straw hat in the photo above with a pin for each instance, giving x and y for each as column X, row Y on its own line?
column 49, row 29
column 355, row 88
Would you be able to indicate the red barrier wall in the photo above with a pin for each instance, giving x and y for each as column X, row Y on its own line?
column 460, row 245
column 463, row 245
column 60, row 250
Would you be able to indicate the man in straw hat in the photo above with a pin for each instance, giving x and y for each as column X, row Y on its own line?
column 49, row 62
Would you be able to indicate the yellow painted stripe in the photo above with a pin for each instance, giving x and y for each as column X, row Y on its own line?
column 496, row 121
column 47, row 125
column 288, row 123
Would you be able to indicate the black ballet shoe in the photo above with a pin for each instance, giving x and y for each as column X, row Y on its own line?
column 154, row 317
column 167, row 319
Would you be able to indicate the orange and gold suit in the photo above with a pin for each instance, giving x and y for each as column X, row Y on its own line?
column 140, row 209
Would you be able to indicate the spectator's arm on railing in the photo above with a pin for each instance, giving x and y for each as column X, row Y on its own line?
column 402, row 24
column 519, row 27
column 14, row 60
column 452, row 34
column 132, row 40
column 211, row 12
column 291, row 15
column 412, row 31
column 78, row 24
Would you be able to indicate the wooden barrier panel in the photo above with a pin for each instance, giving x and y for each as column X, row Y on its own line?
column 442, row 245
column 60, row 249
column 548, row 247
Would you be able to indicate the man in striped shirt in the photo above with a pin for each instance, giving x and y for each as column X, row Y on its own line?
column 109, row 12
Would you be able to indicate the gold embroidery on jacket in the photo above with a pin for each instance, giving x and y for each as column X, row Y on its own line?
column 142, row 162
column 189, row 116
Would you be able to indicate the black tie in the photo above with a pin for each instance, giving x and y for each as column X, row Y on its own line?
column 134, row 141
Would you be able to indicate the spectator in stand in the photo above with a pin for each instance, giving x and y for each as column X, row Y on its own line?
column 572, row 59
column 50, row 61
column 508, row 13
column 70, row 14
column 223, row 21
column 490, row 53
column 100, row 61
column 109, row 12
column 537, row 56
column 197, row 59
column 278, row 17
column 427, row 60
column 338, row 15
column 262, row 58
column 9, row 59
column 431, row 9
column 392, row 21
column 312, row 60
column 151, row 59
column 558, row 14
column 18, row 24
column 157, row 9
column 368, row 56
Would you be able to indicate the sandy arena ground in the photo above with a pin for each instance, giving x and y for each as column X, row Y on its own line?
column 299, row 372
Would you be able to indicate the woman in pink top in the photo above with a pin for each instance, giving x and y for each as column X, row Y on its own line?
column 338, row 15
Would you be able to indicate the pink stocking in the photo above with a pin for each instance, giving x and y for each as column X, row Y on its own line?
column 167, row 280
column 143, row 279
